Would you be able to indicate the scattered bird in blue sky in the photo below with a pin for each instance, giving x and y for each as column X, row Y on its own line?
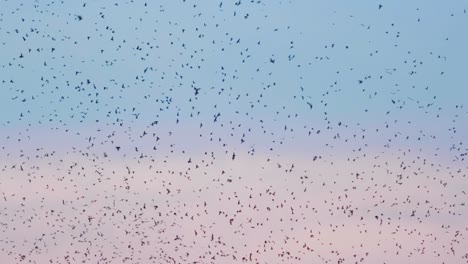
column 233, row 132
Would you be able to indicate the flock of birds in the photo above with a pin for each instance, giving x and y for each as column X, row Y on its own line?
column 233, row 132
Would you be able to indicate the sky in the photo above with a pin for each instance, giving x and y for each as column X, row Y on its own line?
column 233, row 132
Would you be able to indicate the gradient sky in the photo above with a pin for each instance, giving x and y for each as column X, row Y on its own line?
column 233, row 132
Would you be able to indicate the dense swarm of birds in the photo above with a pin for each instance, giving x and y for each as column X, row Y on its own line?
column 233, row 132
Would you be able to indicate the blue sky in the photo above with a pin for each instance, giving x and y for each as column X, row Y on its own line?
column 334, row 87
